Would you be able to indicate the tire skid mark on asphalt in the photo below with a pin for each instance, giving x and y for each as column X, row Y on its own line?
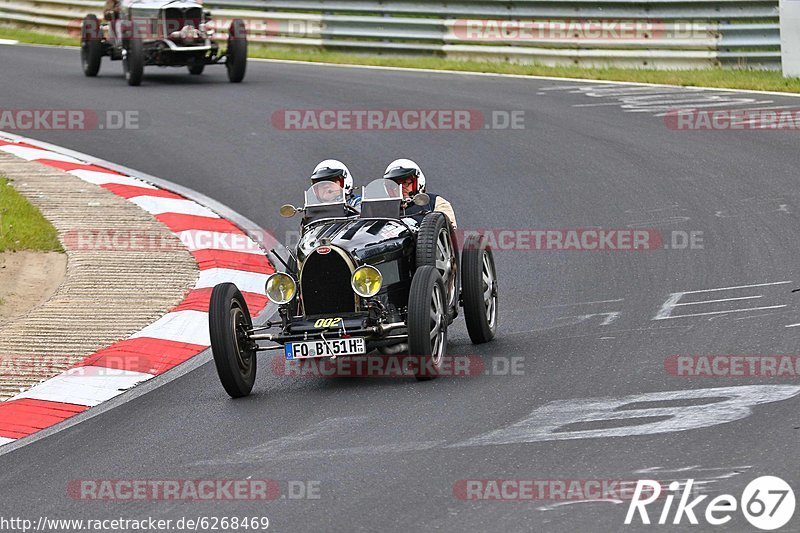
column 176, row 337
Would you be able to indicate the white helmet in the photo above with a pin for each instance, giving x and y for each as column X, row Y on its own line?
column 333, row 170
column 403, row 168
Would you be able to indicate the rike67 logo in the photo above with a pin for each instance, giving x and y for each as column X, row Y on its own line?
column 767, row 503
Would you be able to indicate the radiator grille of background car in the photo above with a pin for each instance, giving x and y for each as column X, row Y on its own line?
column 177, row 18
column 325, row 285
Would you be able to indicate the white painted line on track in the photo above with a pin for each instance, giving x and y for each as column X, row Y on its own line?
column 246, row 281
column 721, row 300
column 724, row 312
column 87, row 385
column 158, row 206
column 741, row 287
column 8, row 41
column 188, row 326
column 32, row 154
column 103, row 178
column 484, row 74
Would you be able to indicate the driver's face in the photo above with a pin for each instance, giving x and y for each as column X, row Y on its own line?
column 408, row 186
column 328, row 190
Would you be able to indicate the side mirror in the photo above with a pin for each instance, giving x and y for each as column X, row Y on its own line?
column 422, row 199
column 288, row 210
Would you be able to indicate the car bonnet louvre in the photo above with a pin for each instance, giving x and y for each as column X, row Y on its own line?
column 350, row 233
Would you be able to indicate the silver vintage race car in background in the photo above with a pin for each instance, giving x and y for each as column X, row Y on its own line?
column 175, row 33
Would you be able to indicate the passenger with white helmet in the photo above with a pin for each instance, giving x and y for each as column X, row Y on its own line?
column 410, row 177
column 333, row 170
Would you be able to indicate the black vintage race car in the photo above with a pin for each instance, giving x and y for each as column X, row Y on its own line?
column 358, row 282
column 165, row 33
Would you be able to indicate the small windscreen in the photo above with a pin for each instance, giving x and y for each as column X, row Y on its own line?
column 382, row 189
column 325, row 192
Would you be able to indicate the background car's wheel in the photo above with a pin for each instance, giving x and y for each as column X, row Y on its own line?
column 479, row 289
column 236, row 61
column 133, row 60
column 196, row 69
column 234, row 356
column 427, row 322
column 91, row 45
column 435, row 247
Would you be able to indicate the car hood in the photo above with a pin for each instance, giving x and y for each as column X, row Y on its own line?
column 366, row 240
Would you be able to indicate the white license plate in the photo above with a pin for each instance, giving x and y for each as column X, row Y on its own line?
column 337, row 347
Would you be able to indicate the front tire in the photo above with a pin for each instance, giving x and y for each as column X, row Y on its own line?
column 133, row 60
column 479, row 289
column 236, row 61
column 234, row 356
column 196, row 69
column 436, row 247
column 427, row 322
column 91, row 46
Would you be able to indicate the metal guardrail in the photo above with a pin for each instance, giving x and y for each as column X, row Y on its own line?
column 659, row 33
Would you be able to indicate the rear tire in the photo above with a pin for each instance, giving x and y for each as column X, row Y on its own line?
column 234, row 357
column 197, row 69
column 133, row 60
column 427, row 322
column 436, row 247
column 91, row 45
column 479, row 289
column 236, row 61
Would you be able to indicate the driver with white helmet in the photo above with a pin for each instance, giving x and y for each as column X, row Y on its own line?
column 409, row 176
column 335, row 171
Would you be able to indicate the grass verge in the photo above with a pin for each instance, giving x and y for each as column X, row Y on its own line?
column 22, row 226
column 758, row 80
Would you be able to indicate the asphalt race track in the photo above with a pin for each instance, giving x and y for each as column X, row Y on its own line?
column 387, row 454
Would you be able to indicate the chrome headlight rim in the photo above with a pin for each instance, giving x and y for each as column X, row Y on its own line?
column 353, row 281
column 280, row 275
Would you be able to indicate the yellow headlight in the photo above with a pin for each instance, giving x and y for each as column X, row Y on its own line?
column 366, row 281
column 280, row 288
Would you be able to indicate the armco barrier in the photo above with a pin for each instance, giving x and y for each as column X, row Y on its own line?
column 644, row 33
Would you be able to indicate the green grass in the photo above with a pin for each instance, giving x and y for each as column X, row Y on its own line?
column 759, row 80
column 36, row 37
column 22, row 226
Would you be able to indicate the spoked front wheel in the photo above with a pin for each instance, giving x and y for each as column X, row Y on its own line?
column 479, row 289
column 427, row 322
column 234, row 352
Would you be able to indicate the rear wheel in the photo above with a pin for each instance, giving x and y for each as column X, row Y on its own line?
column 133, row 60
column 435, row 247
column 196, row 69
column 427, row 322
column 91, row 45
column 236, row 61
column 234, row 352
column 479, row 289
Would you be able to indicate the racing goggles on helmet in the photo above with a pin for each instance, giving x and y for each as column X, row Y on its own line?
column 329, row 174
column 403, row 175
